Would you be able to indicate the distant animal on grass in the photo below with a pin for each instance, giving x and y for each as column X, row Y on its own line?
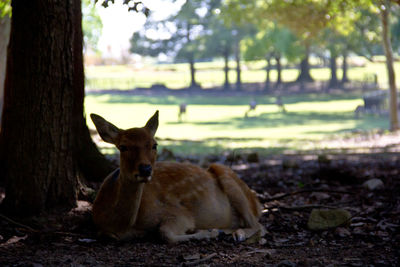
column 252, row 107
column 360, row 110
column 182, row 111
column 280, row 104
column 179, row 200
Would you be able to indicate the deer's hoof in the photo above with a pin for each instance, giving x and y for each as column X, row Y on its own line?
column 239, row 235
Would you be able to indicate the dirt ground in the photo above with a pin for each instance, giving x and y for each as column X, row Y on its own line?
column 289, row 188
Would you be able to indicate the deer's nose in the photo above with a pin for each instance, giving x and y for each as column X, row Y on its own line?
column 145, row 170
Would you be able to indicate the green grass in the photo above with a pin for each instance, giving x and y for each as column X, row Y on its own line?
column 210, row 74
column 217, row 124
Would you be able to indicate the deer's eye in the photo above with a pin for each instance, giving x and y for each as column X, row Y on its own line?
column 123, row 148
column 154, row 147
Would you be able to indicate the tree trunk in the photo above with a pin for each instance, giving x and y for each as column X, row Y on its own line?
column 226, row 69
column 190, row 58
column 238, row 69
column 333, row 82
column 5, row 24
column 268, row 74
column 304, row 75
column 92, row 164
column 278, row 70
column 37, row 137
column 193, row 83
column 394, row 121
column 345, row 79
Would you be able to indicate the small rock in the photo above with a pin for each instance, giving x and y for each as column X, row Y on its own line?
column 233, row 157
column 323, row 159
column 373, row 184
column 191, row 257
column 326, row 219
column 342, row 232
column 290, row 164
column 262, row 241
column 253, row 157
column 254, row 238
column 87, row 240
column 319, row 196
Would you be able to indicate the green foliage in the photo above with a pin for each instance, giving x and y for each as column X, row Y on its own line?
column 272, row 41
column 366, row 38
column 219, row 40
column 91, row 25
column 395, row 29
column 133, row 5
column 5, row 8
column 175, row 36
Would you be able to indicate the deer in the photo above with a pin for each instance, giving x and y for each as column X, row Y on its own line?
column 182, row 111
column 252, row 106
column 179, row 200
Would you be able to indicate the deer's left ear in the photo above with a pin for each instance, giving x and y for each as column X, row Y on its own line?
column 152, row 124
column 106, row 130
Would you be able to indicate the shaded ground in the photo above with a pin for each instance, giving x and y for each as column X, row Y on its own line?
column 288, row 186
column 286, row 88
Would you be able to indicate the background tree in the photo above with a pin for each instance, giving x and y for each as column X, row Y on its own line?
column 395, row 30
column 384, row 9
column 5, row 18
column 305, row 18
column 272, row 42
column 179, row 36
column 218, row 42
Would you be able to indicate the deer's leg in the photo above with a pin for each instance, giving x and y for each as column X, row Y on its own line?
column 243, row 201
column 176, row 228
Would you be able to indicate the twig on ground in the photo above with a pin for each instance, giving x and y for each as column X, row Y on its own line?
column 18, row 224
column 301, row 207
column 190, row 263
column 305, row 191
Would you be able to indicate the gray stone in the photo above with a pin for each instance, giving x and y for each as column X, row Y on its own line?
column 373, row 184
column 327, row 219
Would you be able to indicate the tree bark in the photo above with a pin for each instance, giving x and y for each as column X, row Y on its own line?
column 37, row 137
column 226, row 69
column 5, row 25
column 304, row 75
column 268, row 74
column 190, row 58
column 92, row 164
column 345, row 78
column 333, row 82
column 278, row 70
column 238, row 69
column 193, row 83
column 394, row 121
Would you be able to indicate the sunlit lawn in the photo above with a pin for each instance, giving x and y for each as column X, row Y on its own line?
column 217, row 124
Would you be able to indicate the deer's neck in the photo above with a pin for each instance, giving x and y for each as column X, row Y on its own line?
column 130, row 197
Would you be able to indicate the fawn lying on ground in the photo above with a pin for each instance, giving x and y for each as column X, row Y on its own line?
column 180, row 200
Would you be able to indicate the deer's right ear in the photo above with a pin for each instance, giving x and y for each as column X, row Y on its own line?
column 107, row 131
column 152, row 124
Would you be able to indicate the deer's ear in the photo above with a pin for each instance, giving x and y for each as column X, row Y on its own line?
column 107, row 131
column 152, row 124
